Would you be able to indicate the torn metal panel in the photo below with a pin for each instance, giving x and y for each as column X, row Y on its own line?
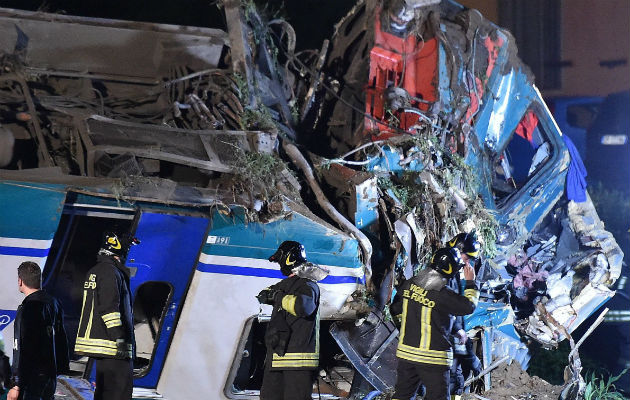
column 207, row 150
column 370, row 346
column 586, row 223
column 144, row 51
column 358, row 190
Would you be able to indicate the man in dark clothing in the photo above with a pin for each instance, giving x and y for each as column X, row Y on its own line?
column 425, row 307
column 292, row 337
column 106, row 326
column 40, row 346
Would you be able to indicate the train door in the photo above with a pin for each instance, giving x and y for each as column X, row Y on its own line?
column 161, row 266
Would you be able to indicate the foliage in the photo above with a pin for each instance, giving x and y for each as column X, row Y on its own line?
column 407, row 189
column 468, row 179
column 486, row 225
column 241, row 85
column 257, row 119
column 600, row 388
column 258, row 172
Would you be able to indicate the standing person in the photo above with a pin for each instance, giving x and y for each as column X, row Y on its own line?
column 292, row 337
column 40, row 346
column 425, row 307
column 465, row 360
column 105, row 331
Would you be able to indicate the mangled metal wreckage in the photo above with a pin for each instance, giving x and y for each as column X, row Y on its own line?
column 414, row 122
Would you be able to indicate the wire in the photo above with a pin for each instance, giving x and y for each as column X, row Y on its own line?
column 332, row 91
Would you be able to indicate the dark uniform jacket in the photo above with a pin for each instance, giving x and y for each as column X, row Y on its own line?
column 426, row 306
column 293, row 332
column 106, row 312
column 40, row 346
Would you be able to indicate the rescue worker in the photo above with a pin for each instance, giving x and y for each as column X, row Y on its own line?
column 292, row 337
column 105, row 331
column 425, row 306
column 40, row 347
column 465, row 360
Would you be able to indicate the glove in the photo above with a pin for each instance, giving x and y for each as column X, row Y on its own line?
column 122, row 349
column 269, row 296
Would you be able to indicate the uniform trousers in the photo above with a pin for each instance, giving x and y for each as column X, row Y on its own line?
column 114, row 379
column 286, row 384
column 410, row 375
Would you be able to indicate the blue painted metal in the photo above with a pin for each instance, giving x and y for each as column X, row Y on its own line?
column 269, row 273
column 372, row 395
column 389, row 160
column 486, row 340
column 489, row 315
column 23, row 251
column 323, row 244
column 366, row 205
column 536, row 198
column 444, row 79
column 6, row 317
column 29, row 211
column 168, row 252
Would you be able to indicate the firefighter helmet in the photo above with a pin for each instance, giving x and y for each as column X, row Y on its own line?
column 289, row 255
column 466, row 243
column 114, row 244
column 447, row 261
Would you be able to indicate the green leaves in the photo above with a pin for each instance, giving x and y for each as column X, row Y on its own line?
column 599, row 388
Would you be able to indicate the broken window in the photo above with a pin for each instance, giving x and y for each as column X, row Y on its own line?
column 149, row 306
column 245, row 378
column 525, row 154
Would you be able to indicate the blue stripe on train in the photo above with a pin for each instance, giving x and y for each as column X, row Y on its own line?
column 23, row 251
column 268, row 273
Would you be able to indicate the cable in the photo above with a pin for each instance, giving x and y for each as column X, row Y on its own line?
column 332, row 91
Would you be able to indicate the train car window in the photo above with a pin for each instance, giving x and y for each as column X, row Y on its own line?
column 149, row 307
column 335, row 373
column 525, row 154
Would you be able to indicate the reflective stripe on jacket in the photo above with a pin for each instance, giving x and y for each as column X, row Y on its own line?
column 299, row 309
column 426, row 320
column 106, row 311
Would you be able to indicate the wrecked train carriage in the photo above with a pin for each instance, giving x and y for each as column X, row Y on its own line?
column 137, row 126
column 406, row 88
column 478, row 95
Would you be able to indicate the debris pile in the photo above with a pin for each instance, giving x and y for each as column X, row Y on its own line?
column 510, row 382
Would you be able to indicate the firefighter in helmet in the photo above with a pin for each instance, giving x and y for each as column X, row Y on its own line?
column 425, row 307
column 105, row 332
column 292, row 337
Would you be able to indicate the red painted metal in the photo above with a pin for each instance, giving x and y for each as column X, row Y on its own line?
column 410, row 63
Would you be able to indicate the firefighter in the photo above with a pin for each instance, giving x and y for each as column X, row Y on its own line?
column 292, row 337
column 425, row 307
column 464, row 359
column 105, row 331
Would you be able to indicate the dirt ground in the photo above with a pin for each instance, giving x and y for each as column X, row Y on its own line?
column 510, row 382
